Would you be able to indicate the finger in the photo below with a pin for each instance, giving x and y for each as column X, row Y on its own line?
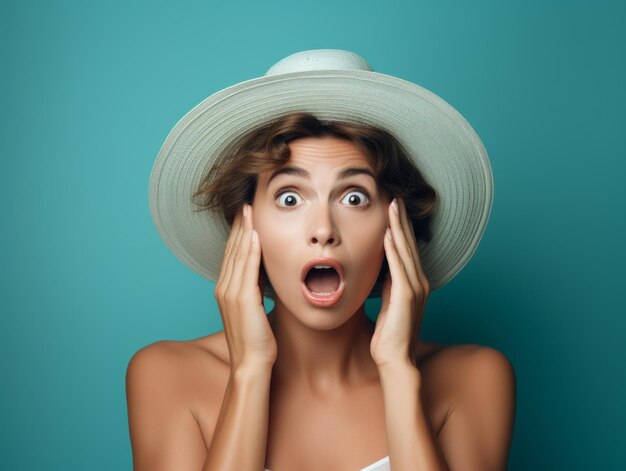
column 241, row 256
column 397, row 272
column 412, row 242
column 253, row 262
column 396, row 269
column 229, row 244
column 406, row 226
column 403, row 249
column 231, row 259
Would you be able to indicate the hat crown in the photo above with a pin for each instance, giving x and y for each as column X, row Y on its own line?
column 319, row 59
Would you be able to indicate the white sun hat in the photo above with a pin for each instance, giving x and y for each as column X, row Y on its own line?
column 338, row 85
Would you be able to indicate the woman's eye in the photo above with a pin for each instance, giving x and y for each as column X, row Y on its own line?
column 290, row 198
column 353, row 200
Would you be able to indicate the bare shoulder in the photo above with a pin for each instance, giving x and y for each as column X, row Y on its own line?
column 471, row 361
column 215, row 344
column 460, row 365
column 481, row 387
column 173, row 359
column 163, row 383
column 189, row 369
column 486, row 379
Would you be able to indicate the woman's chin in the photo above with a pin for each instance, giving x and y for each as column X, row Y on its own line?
column 321, row 312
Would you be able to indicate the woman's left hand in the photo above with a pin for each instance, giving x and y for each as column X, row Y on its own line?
column 404, row 294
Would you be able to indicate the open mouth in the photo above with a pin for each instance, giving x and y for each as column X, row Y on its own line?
column 322, row 281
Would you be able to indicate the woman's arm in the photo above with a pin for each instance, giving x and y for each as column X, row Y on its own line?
column 240, row 438
column 411, row 440
column 239, row 441
column 477, row 433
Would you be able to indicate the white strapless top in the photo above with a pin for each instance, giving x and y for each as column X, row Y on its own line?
column 380, row 465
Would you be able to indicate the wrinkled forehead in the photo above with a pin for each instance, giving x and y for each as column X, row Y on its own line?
column 325, row 148
column 327, row 157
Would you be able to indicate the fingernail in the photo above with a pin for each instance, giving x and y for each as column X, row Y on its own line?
column 388, row 233
column 394, row 205
column 245, row 210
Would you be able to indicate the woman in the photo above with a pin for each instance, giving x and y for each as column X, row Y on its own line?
column 316, row 385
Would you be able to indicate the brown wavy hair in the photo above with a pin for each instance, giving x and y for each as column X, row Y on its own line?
column 232, row 180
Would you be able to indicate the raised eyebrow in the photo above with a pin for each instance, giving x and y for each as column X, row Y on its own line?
column 302, row 173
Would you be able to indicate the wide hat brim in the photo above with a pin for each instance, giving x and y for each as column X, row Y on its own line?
column 444, row 146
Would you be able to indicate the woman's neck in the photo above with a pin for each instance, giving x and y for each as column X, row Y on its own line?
column 323, row 361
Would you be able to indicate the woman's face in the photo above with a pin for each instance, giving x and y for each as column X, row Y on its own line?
column 321, row 216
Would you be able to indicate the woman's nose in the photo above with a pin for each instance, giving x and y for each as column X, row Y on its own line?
column 322, row 227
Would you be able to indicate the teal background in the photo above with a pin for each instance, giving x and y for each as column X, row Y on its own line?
column 90, row 94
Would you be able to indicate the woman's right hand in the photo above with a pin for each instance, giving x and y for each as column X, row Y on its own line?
column 238, row 292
